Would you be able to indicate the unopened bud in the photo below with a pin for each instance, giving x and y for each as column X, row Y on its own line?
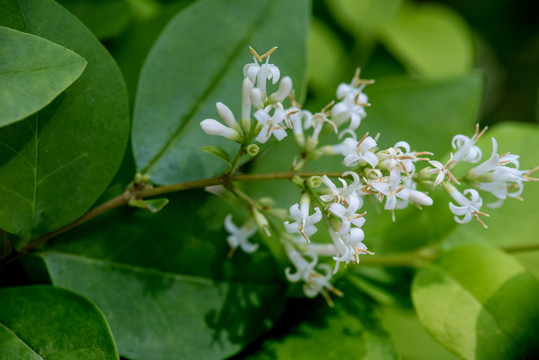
column 256, row 98
column 226, row 114
column 214, row 127
column 420, row 198
column 298, row 181
column 285, row 86
column 261, row 221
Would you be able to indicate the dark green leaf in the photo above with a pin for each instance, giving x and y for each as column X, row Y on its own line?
column 431, row 40
column 44, row 322
column 33, row 71
column 217, row 152
column 184, row 76
column 152, row 205
column 171, row 269
column 479, row 303
column 56, row 163
column 310, row 329
column 105, row 18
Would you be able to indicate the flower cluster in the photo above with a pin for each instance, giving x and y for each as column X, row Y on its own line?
column 390, row 175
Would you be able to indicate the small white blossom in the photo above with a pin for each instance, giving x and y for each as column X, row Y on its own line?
column 348, row 214
column 468, row 208
column 349, row 245
column 390, row 188
column 341, row 195
column 304, row 223
column 315, row 283
column 239, row 236
column 356, row 152
column 442, row 171
column 467, row 151
column 259, row 74
column 271, row 125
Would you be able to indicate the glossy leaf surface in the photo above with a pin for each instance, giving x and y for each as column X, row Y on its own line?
column 55, row 163
column 33, row 71
column 43, row 322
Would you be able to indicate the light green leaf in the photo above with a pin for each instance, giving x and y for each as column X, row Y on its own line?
column 171, row 269
column 56, row 163
column 479, row 303
column 431, row 40
column 44, row 322
column 310, row 329
column 33, row 71
column 152, row 205
column 217, row 152
column 364, row 18
column 203, row 68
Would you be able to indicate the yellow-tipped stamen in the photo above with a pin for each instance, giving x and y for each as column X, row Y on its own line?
column 325, row 109
column 255, row 54
column 269, row 52
column 527, row 175
column 358, row 216
column 360, row 142
column 358, row 81
column 356, row 101
column 231, row 252
column 326, row 296
column 404, row 169
column 476, row 216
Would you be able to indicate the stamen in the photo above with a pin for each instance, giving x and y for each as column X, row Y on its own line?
column 527, row 175
column 359, row 215
column 327, row 298
column 361, row 141
column 404, row 169
column 302, row 232
column 475, row 215
column 325, row 109
column 231, row 252
column 270, row 51
column 255, row 54
column 357, row 81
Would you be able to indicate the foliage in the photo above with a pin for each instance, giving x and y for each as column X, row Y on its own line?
column 95, row 263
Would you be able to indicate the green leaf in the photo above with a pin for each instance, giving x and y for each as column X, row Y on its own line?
column 43, row 322
column 217, row 152
column 184, row 76
column 33, row 71
column 56, row 163
column 152, row 205
column 431, row 40
column 310, row 329
column 105, row 18
column 479, row 303
column 171, row 269
column 364, row 17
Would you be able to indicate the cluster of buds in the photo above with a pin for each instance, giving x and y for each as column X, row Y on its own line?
column 389, row 175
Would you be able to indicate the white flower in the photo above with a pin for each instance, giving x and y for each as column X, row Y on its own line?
column 442, row 171
column 304, row 222
column 285, row 87
column 466, row 149
column 391, row 189
column 341, row 195
column 350, row 108
column 271, row 125
column 400, row 157
column 315, row 283
column 349, row 244
column 348, row 214
column 239, row 236
column 356, row 152
column 258, row 74
column 468, row 208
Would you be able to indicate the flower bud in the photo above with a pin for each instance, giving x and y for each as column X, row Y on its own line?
column 214, row 127
column 226, row 114
column 261, row 221
column 420, row 198
column 256, row 98
column 285, row 86
column 252, row 149
column 314, row 182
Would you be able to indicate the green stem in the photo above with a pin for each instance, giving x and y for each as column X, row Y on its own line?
column 521, row 248
column 124, row 198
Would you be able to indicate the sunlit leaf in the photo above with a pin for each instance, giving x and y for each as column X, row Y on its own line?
column 431, row 40
column 479, row 303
